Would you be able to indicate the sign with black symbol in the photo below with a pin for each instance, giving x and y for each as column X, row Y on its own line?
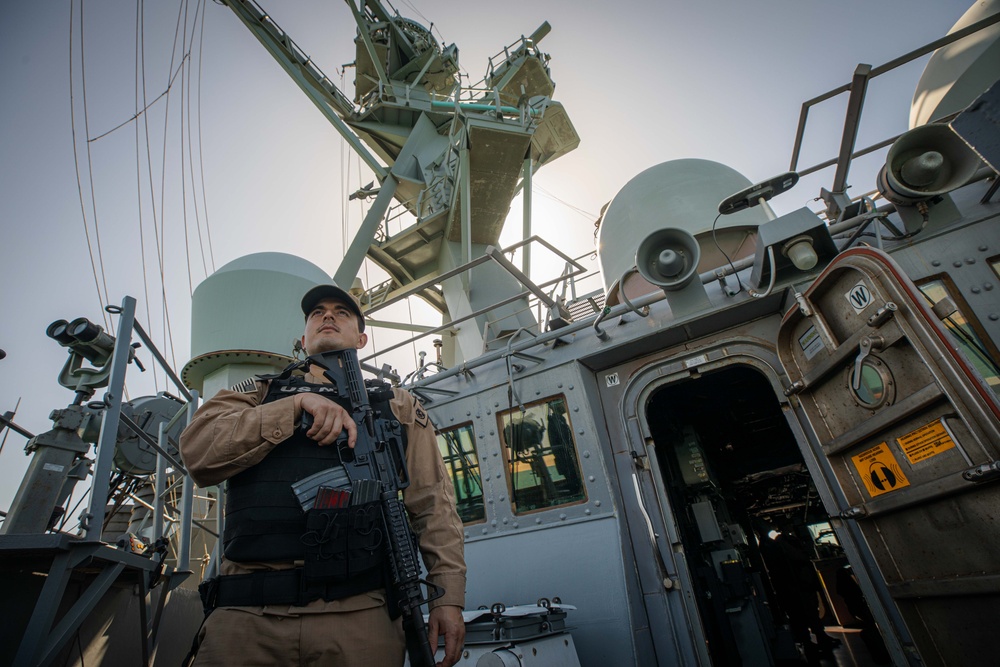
column 860, row 297
column 879, row 470
column 612, row 379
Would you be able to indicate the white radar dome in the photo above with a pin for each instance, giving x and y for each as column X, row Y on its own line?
column 958, row 73
column 680, row 194
column 247, row 314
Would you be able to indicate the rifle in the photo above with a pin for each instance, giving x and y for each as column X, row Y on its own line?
column 378, row 456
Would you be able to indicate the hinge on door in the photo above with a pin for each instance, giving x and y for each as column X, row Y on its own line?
column 795, row 388
column 804, row 308
column 855, row 512
column 985, row 472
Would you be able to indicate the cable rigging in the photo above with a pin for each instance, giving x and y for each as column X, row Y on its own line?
column 184, row 98
column 140, row 44
column 93, row 239
column 161, row 238
column 186, row 71
column 545, row 193
column 76, row 161
column 201, row 161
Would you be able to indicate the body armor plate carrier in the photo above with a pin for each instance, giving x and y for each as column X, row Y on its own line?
column 264, row 522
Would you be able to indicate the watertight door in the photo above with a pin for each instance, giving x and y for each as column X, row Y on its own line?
column 907, row 437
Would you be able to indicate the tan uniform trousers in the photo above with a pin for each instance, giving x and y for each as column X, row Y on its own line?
column 248, row 638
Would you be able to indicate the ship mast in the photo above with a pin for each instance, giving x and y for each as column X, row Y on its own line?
column 452, row 157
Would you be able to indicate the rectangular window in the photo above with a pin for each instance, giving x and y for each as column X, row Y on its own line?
column 971, row 340
column 462, row 464
column 543, row 469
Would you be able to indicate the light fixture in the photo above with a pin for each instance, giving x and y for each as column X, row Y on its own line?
column 800, row 250
column 801, row 236
column 357, row 288
column 797, row 241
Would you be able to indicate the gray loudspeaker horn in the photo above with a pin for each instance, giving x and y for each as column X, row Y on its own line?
column 926, row 162
column 668, row 258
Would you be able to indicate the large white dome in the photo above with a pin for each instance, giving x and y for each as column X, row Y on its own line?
column 248, row 312
column 960, row 72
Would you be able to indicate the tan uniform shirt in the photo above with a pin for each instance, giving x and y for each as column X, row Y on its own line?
column 233, row 431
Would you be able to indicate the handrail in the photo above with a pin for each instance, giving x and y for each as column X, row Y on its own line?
column 875, row 71
column 42, row 639
column 423, row 284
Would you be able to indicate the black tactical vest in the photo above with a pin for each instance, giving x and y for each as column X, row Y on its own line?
column 264, row 522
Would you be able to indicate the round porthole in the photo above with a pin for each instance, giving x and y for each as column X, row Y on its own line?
column 876, row 387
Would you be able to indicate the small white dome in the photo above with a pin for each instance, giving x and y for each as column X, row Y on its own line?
column 682, row 194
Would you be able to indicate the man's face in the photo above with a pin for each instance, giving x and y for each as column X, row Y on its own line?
column 332, row 326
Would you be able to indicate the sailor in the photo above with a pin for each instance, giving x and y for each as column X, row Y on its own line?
column 264, row 608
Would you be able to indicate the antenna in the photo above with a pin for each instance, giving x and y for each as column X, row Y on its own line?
column 794, row 240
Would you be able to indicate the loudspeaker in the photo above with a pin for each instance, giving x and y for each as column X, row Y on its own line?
column 668, row 258
column 926, row 162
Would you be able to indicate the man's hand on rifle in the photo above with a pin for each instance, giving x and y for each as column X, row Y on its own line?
column 329, row 419
column 447, row 620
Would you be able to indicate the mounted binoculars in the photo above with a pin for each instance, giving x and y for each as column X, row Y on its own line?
column 85, row 338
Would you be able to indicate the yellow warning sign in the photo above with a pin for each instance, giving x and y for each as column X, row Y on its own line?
column 925, row 442
column 879, row 470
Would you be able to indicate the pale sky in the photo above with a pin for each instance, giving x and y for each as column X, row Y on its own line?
column 643, row 82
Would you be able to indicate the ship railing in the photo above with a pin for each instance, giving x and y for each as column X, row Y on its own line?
column 476, row 92
column 520, row 346
column 857, row 89
column 403, row 214
column 600, row 311
column 376, row 294
column 477, row 99
column 61, row 555
column 564, row 292
column 572, row 271
column 128, row 326
column 523, row 46
column 400, row 213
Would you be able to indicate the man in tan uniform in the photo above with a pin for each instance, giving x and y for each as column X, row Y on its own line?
column 266, row 610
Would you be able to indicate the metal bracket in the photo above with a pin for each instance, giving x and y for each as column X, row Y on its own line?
column 641, row 461
column 868, row 343
column 883, row 315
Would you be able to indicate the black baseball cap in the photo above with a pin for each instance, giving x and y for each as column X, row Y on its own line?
column 320, row 292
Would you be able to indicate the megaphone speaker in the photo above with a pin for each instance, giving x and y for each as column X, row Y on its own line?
column 926, row 162
column 668, row 258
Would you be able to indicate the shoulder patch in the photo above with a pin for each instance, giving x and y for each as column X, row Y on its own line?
column 248, row 386
column 419, row 414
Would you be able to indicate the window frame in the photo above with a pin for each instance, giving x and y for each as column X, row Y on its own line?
column 505, row 450
column 968, row 313
column 442, row 433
